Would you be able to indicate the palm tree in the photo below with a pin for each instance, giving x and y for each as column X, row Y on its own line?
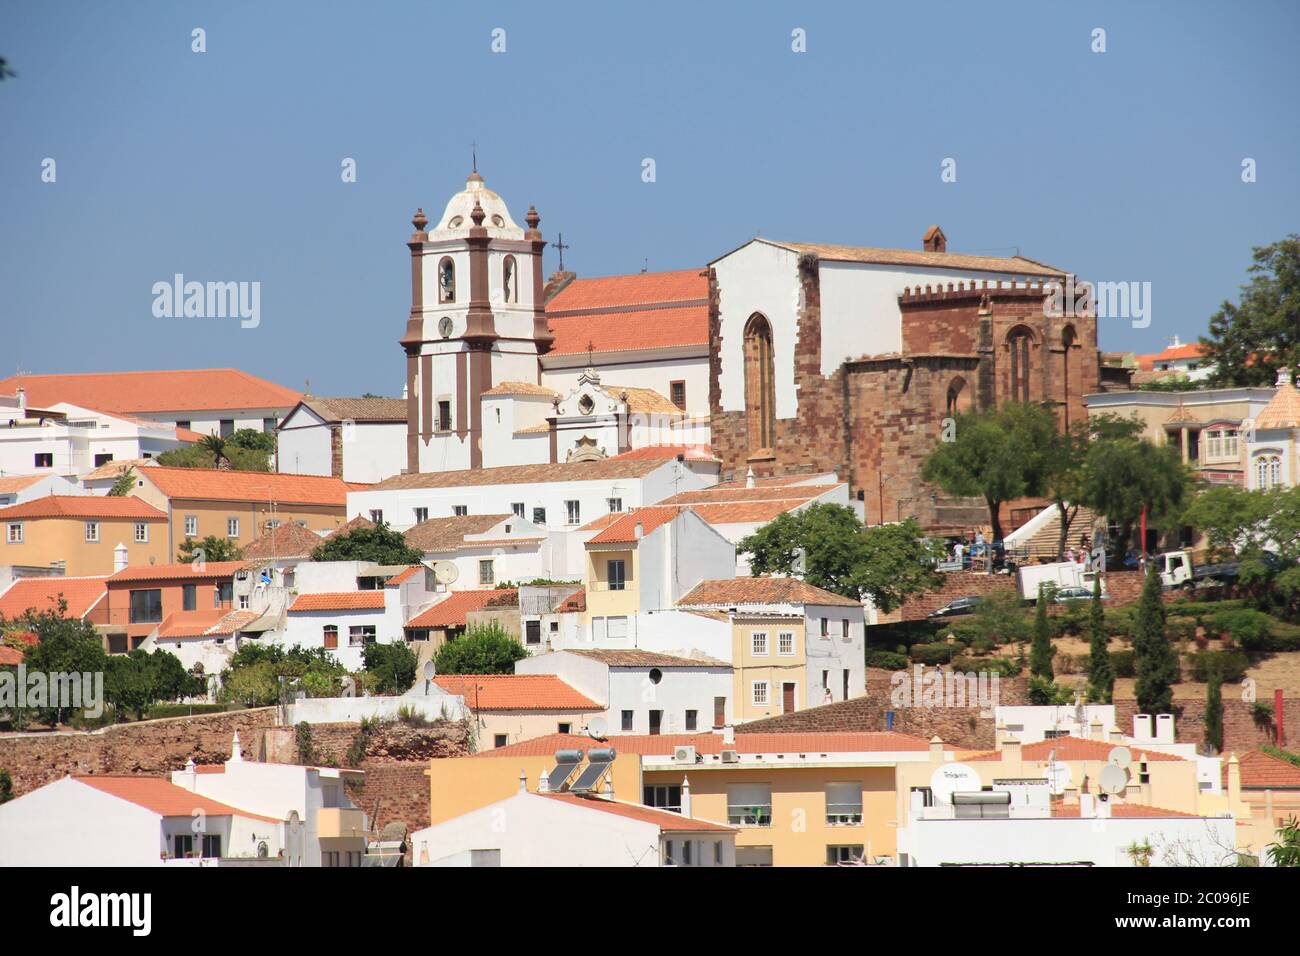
column 216, row 446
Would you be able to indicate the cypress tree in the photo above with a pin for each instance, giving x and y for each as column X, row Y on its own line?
column 1101, row 672
column 1214, row 712
column 1154, row 659
column 1040, row 651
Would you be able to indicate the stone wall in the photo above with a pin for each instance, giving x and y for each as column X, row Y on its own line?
column 1240, row 731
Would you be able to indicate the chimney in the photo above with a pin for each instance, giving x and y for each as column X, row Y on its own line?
column 120, row 559
column 543, row 784
column 1095, row 730
column 1234, row 782
column 1011, row 756
column 729, row 736
column 187, row 777
column 999, row 736
column 21, row 394
column 686, row 797
column 236, row 752
column 936, row 749
column 523, row 781
column 1165, row 728
column 934, row 240
column 749, row 478
column 638, row 531
column 1142, row 727
column 1116, row 735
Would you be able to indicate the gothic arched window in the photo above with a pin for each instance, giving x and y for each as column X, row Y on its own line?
column 446, row 280
column 1019, row 342
column 760, row 384
column 509, row 280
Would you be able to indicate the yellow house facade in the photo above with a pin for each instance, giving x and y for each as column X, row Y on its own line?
column 83, row 534
column 771, row 666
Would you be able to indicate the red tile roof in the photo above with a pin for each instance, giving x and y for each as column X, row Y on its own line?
column 207, row 389
column 623, row 528
column 339, row 601
column 624, row 313
column 1173, row 353
column 1074, row 748
column 665, row 820
column 729, row 592
column 452, row 611
column 402, row 576
column 638, row 658
column 574, row 603
column 290, row 540
column 103, row 507
column 214, row 484
column 515, row 692
column 733, row 493
column 663, row 745
column 1263, row 771
column 10, row 656
column 668, row 452
column 197, row 571
column 42, row 594
column 165, row 798
column 18, row 483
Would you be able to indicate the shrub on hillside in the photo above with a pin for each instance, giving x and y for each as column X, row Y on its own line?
column 1249, row 629
column 934, row 653
column 886, row 660
column 1231, row 666
column 1124, row 663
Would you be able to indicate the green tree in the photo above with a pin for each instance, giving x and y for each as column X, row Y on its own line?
column 1041, row 650
column 378, row 543
column 211, row 548
column 64, row 646
column 201, row 455
column 1214, row 711
column 253, row 440
column 1286, row 851
column 995, row 455
column 482, row 649
column 1121, row 475
column 392, row 667
column 1000, row 618
column 1101, row 670
column 1248, row 342
column 887, row 563
column 1155, row 661
column 124, row 484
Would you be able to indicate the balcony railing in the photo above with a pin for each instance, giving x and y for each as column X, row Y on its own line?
column 752, row 816
column 843, row 814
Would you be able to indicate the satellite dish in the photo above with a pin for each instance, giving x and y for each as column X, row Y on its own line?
column 596, row 728
column 953, row 778
column 1120, row 757
column 430, row 671
column 446, row 572
column 1113, row 779
column 1058, row 777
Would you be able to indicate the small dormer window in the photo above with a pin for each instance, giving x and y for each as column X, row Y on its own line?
column 446, row 281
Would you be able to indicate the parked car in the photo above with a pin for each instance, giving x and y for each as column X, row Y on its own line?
column 955, row 607
column 1075, row 593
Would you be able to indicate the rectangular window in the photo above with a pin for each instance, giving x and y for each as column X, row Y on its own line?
column 517, row 509
column 268, row 425
column 183, row 846
column 573, row 512
column 615, row 505
column 835, row 855
column 191, row 526
column 45, row 459
column 189, row 597
column 500, row 740
column 232, row 527
column 377, row 515
column 844, row 628
column 183, row 424
column 627, row 721
column 14, row 533
column 444, row 416
column 532, row 632
column 749, row 805
column 656, row 722
column 485, row 573
column 692, row 720
column 460, row 511
column 361, row 634
column 846, row 683
column 141, row 532
column 211, row 846
column 616, row 574
column 421, row 514
column 539, row 516
column 663, row 797
column 616, row 627
column 330, row 633
column 826, row 627
column 146, row 607
column 92, row 531
column 719, row 711
column 103, row 459
column 785, row 644
column 844, row 804
column 222, row 593
column 563, row 728
column 760, row 693
column 760, row 643
column 677, row 394
column 227, row 427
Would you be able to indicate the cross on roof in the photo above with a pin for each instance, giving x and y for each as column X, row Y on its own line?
column 590, row 348
column 559, row 246
column 474, row 150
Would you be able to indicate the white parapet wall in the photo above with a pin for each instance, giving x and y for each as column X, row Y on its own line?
column 338, row 710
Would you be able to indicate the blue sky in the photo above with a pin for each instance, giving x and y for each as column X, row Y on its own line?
column 1121, row 166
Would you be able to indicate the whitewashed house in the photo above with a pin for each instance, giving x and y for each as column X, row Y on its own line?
column 356, row 439
column 81, row 440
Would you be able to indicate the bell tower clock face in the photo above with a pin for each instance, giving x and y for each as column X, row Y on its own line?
column 445, row 326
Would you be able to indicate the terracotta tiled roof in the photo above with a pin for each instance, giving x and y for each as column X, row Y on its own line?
column 575, row 603
column 521, row 388
column 402, row 576
column 42, row 594
column 1262, row 771
column 1015, row 265
column 1173, row 353
column 663, row 745
column 623, row 528
column 665, row 820
column 232, row 622
column 114, row 469
column 637, row 658
column 206, row 389
column 668, row 453
column 208, row 570
column 18, row 483
column 452, row 610
column 448, row 534
column 339, row 601
column 541, row 428
column 731, row 592
column 190, row 623
column 740, row 512
column 358, row 409
column 360, row 521
column 213, row 484
column 733, row 492
column 644, row 401
column 515, row 692
column 84, row 506
column 631, row 331
column 165, row 798
column 633, row 291
column 290, row 540
column 189, row 435
column 10, row 656
column 1282, row 410
column 524, row 474
column 1074, row 748
column 1121, row 811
